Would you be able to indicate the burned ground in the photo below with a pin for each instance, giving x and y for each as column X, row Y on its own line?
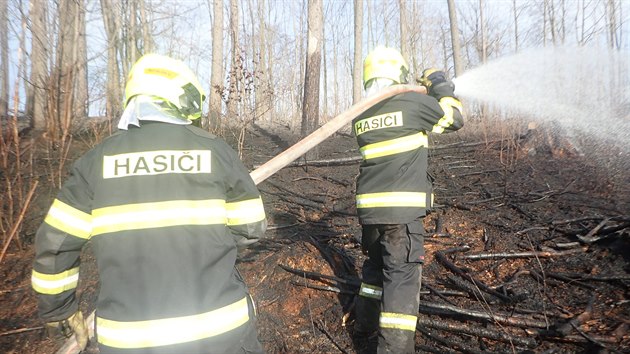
column 527, row 251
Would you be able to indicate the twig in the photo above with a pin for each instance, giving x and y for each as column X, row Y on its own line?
column 460, row 347
column 18, row 222
column 500, row 336
column 321, row 327
column 278, row 227
column 432, row 308
column 324, row 288
column 453, row 268
column 21, row 330
column 565, row 329
column 506, row 255
column 317, row 276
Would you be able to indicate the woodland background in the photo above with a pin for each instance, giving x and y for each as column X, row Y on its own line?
column 63, row 63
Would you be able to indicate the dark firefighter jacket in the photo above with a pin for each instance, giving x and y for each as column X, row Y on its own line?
column 393, row 186
column 164, row 207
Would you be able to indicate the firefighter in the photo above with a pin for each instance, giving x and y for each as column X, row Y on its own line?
column 165, row 206
column 394, row 192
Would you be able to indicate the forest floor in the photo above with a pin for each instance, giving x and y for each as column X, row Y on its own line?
column 528, row 251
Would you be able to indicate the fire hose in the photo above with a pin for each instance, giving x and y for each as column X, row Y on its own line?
column 282, row 160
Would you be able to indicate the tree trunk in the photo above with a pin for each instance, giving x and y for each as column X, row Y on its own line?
column 4, row 59
column 216, row 76
column 114, row 94
column 36, row 90
column 310, row 107
column 404, row 30
column 236, row 62
column 457, row 55
column 81, row 106
column 357, row 69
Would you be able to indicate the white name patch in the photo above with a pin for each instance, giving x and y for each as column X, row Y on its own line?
column 394, row 119
column 156, row 162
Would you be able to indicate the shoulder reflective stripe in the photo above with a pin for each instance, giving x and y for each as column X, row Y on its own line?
column 245, row 212
column 371, row 291
column 159, row 214
column 52, row 284
column 394, row 146
column 447, row 104
column 398, row 321
column 146, row 163
column 70, row 220
column 146, row 334
column 392, row 199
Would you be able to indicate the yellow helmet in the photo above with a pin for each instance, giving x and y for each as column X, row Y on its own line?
column 387, row 63
column 168, row 79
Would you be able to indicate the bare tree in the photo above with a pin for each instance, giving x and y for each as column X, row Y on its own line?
column 36, row 91
column 516, row 12
column 310, row 107
column 113, row 94
column 4, row 59
column 216, row 79
column 483, row 45
column 612, row 34
column 404, row 30
column 357, row 68
column 236, row 66
column 455, row 44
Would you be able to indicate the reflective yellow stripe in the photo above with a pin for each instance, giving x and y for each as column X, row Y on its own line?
column 245, row 212
column 52, row 284
column 392, row 199
column 371, row 291
column 447, row 104
column 398, row 321
column 143, row 334
column 159, row 214
column 394, row 146
column 69, row 220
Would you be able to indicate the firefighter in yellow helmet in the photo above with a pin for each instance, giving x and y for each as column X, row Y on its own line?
column 165, row 206
column 394, row 192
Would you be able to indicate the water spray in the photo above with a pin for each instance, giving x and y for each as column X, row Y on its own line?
column 585, row 91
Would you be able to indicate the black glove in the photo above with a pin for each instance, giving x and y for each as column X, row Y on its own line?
column 436, row 83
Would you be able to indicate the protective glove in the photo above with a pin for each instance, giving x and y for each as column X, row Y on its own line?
column 73, row 325
column 436, row 83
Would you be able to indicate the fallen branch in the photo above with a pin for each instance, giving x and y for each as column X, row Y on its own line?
column 318, row 276
column 575, row 322
column 21, row 330
column 512, row 255
column 440, row 309
column 478, row 331
column 458, row 271
column 450, row 343
column 322, row 328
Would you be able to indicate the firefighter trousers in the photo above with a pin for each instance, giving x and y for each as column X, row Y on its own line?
column 390, row 292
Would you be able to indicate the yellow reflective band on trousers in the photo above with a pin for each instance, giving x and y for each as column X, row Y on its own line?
column 53, row 284
column 398, row 321
column 159, row 214
column 371, row 291
column 447, row 104
column 392, row 199
column 155, row 333
column 394, row 146
column 245, row 212
column 70, row 220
